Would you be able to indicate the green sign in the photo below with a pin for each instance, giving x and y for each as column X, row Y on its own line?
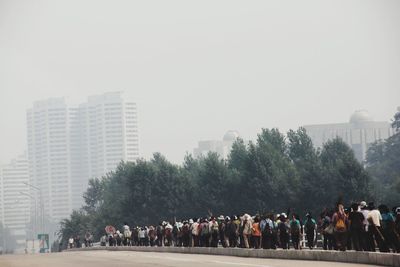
column 43, row 242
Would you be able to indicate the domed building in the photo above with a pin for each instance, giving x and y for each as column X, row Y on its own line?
column 222, row 147
column 360, row 116
column 230, row 136
column 359, row 133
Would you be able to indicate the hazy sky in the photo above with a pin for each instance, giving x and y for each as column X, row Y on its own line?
column 199, row 68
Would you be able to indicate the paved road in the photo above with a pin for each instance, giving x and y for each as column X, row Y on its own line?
column 151, row 259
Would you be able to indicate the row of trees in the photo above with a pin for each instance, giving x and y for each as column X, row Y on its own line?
column 272, row 174
column 383, row 164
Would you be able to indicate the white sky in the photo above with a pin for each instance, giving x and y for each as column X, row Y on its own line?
column 199, row 68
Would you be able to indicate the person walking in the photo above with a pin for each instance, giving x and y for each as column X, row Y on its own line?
column 247, row 226
column 309, row 228
column 340, row 223
column 356, row 219
column 194, row 228
column 214, row 232
column 256, row 233
column 283, row 231
column 295, row 231
column 327, row 229
column 389, row 229
column 374, row 218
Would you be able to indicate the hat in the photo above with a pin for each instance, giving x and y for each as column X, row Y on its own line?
column 363, row 204
column 221, row 217
column 191, row 221
column 398, row 210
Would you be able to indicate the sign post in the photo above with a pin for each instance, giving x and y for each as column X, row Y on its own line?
column 43, row 243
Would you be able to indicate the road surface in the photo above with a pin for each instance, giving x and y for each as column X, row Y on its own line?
column 150, row 259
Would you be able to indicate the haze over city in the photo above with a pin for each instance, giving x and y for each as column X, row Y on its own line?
column 196, row 70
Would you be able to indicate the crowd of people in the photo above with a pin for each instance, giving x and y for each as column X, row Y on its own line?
column 361, row 227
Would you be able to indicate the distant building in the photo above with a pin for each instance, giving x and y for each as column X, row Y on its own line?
column 69, row 145
column 359, row 133
column 222, row 147
column 14, row 198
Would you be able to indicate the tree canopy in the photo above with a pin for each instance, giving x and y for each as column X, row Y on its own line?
column 272, row 174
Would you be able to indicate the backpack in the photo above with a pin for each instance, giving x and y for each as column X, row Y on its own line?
column 159, row 230
column 267, row 229
column 185, row 229
column 340, row 224
column 214, row 228
column 282, row 228
column 309, row 226
column 205, row 229
column 294, row 228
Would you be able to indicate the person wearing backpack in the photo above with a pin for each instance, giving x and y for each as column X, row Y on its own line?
column 194, row 228
column 356, row 219
column 234, row 232
column 185, row 234
column 214, row 232
column 309, row 228
column 295, row 231
column 247, row 226
column 340, row 223
column 204, row 233
column 227, row 230
column 283, row 231
column 159, row 231
column 256, row 232
column 389, row 229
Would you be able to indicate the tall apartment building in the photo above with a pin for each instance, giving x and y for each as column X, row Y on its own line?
column 103, row 132
column 359, row 133
column 49, row 156
column 68, row 145
column 15, row 199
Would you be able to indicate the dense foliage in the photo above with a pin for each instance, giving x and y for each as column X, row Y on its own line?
column 274, row 173
column 383, row 163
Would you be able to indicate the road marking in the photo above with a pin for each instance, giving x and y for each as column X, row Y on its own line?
column 210, row 261
column 241, row 264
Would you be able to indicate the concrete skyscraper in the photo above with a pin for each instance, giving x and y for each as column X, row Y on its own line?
column 69, row 145
column 15, row 199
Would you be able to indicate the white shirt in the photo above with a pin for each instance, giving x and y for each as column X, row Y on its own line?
column 195, row 228
column 376, row 217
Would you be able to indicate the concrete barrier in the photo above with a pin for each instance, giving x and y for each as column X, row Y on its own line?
column 375, row 258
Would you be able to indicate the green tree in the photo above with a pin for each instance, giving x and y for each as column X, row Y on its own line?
column 345, row 176
column 383, row 163
column 312, row 182
column 76, row 225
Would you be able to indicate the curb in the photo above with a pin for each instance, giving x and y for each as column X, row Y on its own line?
column 375, row 258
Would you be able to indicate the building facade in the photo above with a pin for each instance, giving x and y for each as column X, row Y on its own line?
column 15, row 200
column 68, row 145
column 359, row 133
column 222, row 147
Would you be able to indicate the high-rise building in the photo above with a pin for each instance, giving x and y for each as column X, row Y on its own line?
column 359, row 133
column 15, row 199
column 103, row 132
column 222, row 147
column 68, row 145
column 49, row 156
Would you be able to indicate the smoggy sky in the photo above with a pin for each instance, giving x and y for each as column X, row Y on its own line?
column 199, row 68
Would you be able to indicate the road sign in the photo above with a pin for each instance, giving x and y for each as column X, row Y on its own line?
column 110, row 229
column 43, row 242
